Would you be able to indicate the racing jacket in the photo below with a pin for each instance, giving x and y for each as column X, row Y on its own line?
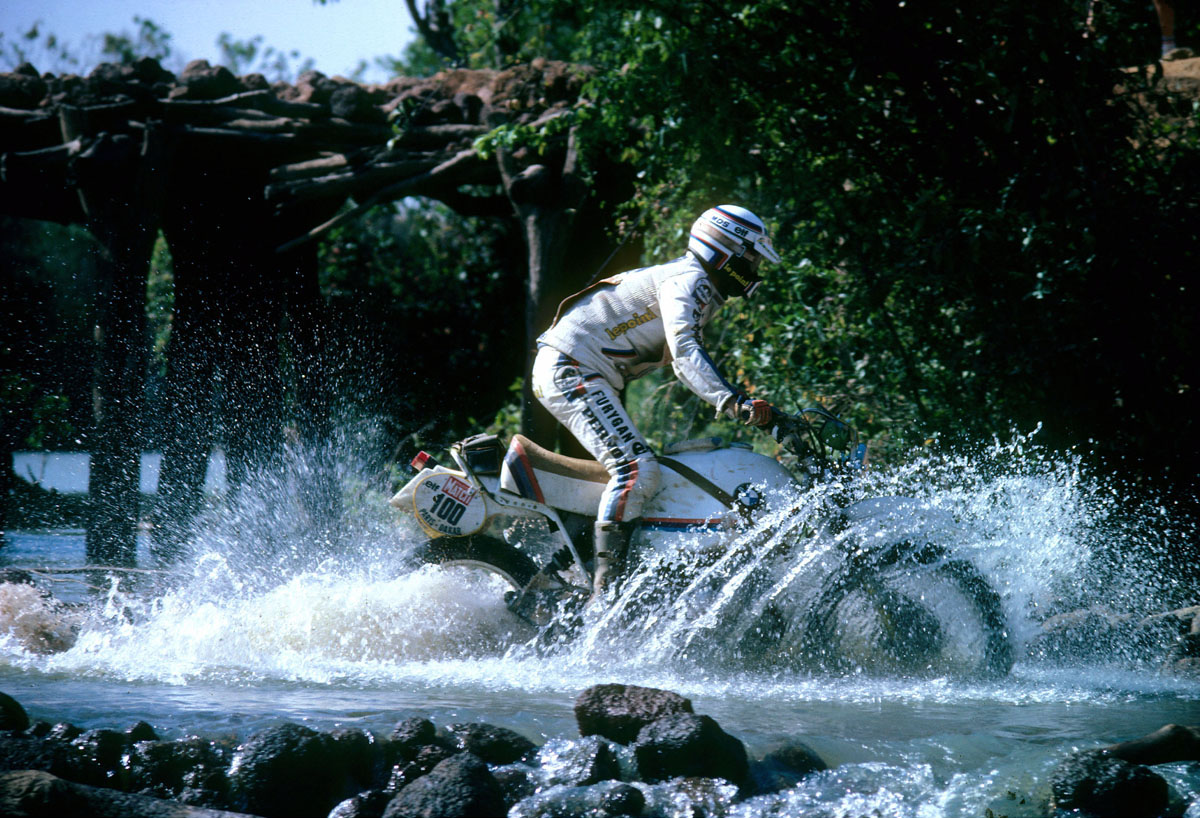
column 630, row 324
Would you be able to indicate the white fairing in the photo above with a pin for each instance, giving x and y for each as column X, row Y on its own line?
column 683, row 512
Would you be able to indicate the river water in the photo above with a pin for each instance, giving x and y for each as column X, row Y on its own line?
column 263, row 622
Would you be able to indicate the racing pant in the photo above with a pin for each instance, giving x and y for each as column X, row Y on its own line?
column 589, row 406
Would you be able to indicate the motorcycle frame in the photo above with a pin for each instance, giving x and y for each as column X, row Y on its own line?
column 515, row 505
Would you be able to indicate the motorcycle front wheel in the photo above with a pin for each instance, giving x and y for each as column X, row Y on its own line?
column 906, row 609
column 910, row 609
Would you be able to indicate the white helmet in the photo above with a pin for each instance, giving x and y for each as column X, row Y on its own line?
column 722, row 237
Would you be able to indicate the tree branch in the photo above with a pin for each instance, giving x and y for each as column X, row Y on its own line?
column 450, row 168
column 435, row 28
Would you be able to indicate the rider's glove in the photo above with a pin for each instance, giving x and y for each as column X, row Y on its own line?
column 754, row 412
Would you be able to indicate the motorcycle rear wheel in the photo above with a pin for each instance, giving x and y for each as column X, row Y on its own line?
column 479, row 552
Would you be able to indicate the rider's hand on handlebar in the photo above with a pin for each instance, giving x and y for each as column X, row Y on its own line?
column 755, row 412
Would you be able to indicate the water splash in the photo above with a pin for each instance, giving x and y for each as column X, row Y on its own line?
column 264, row 592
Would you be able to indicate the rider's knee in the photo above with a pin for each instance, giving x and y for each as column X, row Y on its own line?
column 649, row 477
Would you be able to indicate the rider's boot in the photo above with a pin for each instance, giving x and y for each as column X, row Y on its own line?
column 611, row 543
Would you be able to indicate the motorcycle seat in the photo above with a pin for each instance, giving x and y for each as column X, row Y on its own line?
column 561, row 482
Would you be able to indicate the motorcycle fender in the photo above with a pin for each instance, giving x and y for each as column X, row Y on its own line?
column 444, row 503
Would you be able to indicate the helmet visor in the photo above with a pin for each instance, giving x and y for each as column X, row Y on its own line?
column 763, row 245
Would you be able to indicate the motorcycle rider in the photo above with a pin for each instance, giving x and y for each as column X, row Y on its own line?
column 622, row 327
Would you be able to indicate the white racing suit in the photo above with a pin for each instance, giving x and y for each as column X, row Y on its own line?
column 615, row 331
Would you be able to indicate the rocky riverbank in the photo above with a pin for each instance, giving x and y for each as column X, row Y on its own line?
column 640, row 752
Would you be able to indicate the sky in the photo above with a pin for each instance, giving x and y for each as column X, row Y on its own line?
column 336, row 35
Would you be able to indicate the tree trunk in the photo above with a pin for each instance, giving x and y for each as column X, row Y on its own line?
column 546, row 201
column 314, row 389
column 121, row 188
column 192, row 354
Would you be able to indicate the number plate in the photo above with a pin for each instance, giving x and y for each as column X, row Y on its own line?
column 448, row 506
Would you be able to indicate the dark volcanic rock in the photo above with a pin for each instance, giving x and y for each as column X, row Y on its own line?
column 408, row 737
column 1099, row 785
column 619, row 712
column 495, row 745
column 697, row 798
column 12, row 714
column 784, row 767
column 49, row 754
column 578, row 763
column 685, row 745
column 459, row 787
column 288, row 771
column 425, row 760
column 367, row 804
column 516, row 782
column 142, row 731
column 169, row 769
column 361, row 755
column 608, row 798
column 38, row 794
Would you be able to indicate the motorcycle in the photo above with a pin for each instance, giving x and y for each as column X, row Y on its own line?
column 878, row 589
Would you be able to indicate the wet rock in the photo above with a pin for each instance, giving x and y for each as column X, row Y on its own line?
column 361, row 755
column 421, row 764
column 608, row 798
column 65, row 731
column 102, row 750
column 16, row 576
column 619, row 712
column 685, row 745
column 1098, row 785
column 39, row 729
column 36, row 792
column 578, row 763
column 691, row 797
column 1183, row 659
column 169, row 769
column 408, row 737
column 49, row 754
column 516, row 782
column 30, row 793
column 1084, row 634
column 784, row 768
column 495, row 745
column 367, row 804
column 142, row 731
column 12, row 714
column 1099, row 635
column 459, row 787
column 37, row 621
column 289, row 770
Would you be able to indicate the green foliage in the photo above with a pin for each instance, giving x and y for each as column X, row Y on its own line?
column 160, row 303
column 979, row 230
column 962, row 208
column 46, row 275
column 150, row 40
column 429, row 310
column 251, row 56
column 44, row 50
